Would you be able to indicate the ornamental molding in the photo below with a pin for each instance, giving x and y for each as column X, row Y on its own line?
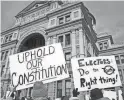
column 28, row 33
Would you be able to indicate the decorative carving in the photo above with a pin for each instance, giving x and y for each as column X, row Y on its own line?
column 37, row 14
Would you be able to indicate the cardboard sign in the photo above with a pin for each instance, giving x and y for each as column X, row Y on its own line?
column 39, row 90
column 46, row 64
column 95, row 72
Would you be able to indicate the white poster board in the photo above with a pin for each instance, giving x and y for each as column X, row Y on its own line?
column 95, row 72
column 46, row 64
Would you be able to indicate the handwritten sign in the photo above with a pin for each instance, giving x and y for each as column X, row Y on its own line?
column 46, row 64
column 95, row 72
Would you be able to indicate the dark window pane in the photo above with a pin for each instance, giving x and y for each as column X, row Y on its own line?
column 2, row 70
column 122, row 58
column 67, row 39
column 100, row 46
column 68, row 88
column 6, row 39
column 61, row 20
column 67, row 56
column 117, row 59
column 67, row 18
column 6, row 54
column 106, row 45
column 2, row 55
column 60, row 39
column 59, row 89
column 120, row 73
column 10, row 37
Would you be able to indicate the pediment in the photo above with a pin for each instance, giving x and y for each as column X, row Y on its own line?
column 34, row 5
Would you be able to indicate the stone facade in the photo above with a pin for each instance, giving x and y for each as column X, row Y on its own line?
column 107, row 47
column 46, row 22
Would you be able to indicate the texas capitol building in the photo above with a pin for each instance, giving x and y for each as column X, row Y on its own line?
column 43, row 23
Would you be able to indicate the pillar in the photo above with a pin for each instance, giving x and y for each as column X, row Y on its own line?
column 55, row 83
column 81, row 42
column 82, row 54
column 73, row 41
column 51, row 86
column 48, row 41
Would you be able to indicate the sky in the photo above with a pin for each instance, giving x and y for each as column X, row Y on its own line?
column 109, row 16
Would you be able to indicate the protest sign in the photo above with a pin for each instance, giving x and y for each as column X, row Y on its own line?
column 95, row 72
column 46, row 64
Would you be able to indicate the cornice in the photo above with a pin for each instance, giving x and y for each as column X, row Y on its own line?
column 22, row 13
column 112, row 49
column 10, row 30
column 106, row 37
column 59, row 27
column 64, row 9
column 45, row 18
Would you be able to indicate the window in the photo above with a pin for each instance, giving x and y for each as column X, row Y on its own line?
column 76, row 14
column 68, row 56
column 6, row 39
column 1, row 40
column 105, row 45
column 122, row 59
column 117, row 59
column 52, row 21
column 120, row 73
column 68, row 88
column 6, row 54
column 30, row 91
column 2, row 70
column 15, row 34
column 2, row 55
column 100, row 46
column 10, row 37
column 67, row 18
column 123, row 71
column 61, row 20
column 60, row 39
column 59, row 89
column 67, row 39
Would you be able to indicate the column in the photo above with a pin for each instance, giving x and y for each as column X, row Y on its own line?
column 52, row 85
column 73, row 41
column 54, row 39
column 63, row 87
column 85, row 44
column 48, row 41
column 81, row 42
column 55, row 83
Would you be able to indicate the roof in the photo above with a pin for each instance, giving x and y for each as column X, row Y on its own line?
column 35, row 5
column 105, row 35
